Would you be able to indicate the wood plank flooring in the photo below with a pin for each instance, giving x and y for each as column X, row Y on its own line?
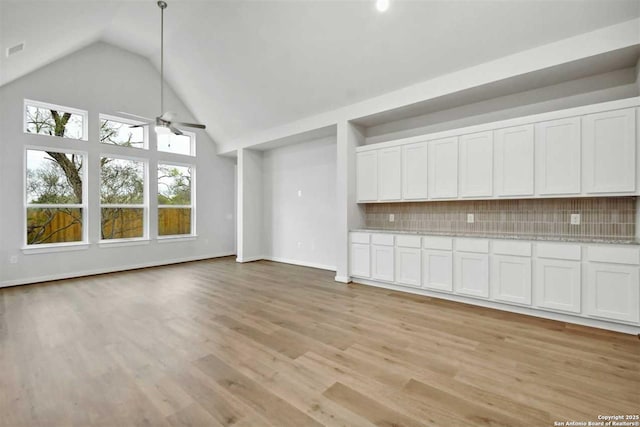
column 216, row 343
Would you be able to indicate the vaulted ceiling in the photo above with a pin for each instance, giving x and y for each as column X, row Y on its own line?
column 243, row 66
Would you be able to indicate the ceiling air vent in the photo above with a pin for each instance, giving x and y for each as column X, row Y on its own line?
column 15, row 49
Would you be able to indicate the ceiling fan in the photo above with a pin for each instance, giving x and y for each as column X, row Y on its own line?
column 164, row 123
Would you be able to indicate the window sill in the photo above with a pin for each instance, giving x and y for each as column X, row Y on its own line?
column 54, row 247
column 116, row 243
column 177, row 238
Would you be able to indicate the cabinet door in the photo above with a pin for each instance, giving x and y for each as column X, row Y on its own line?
column 414, row 171
column 612, row 291
column 382, row 263
column 367, row 176
column 514, row 161
column 558, row 156
column 408, row 266
column 360, row 260
column 476, row 165
column 438, row 270
column 472, row 274
column 557, row 284
column 609, row 144
column 511, row 279
column 443, row 168
column 389, row 174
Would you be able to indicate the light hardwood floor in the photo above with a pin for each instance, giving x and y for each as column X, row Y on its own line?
column 215, row 343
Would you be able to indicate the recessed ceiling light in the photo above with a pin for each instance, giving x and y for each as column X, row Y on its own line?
column 382, row 5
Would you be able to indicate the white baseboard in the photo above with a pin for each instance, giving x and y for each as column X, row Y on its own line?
column 250, row 259
column 301, row 263
column 342, row 279
column 535, row 312
column 61, row 276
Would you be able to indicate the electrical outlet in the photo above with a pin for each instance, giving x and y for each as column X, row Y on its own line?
column 471, row 218
column 13, row 259
column 299, row 193
column 392, row 218
column 575, row 219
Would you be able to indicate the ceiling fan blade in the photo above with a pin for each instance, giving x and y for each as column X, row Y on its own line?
column 136, row 116
column 190, row 125
column 175, row 130
column 139, row 126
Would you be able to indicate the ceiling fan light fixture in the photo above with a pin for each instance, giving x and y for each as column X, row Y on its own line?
column 162, row 130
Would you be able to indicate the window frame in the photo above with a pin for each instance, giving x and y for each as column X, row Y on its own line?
column 126, row 121
column 192, row 206
column 84, row 206
column 145, row 198
column 192, row 145
column 50, row 106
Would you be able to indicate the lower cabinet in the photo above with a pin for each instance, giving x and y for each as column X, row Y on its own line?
column 437, row 267
column 472, row 274
column 360, row 260
column 557, row 284
column 408, row 266
column 382, row 265
column 511, row 279
column 612, row 291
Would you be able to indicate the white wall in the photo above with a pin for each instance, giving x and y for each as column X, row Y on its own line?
column 300, row 211
column 604, row 87
column 250, row 206
column 103, row 79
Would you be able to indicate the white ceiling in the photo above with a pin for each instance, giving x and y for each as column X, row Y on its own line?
column 244, row 66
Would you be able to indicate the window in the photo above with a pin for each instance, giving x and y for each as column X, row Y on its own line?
column 178, row 144
column 55, row 201
column 122, row 198
column 117, row 131
column 175, row 199
column 54, row 120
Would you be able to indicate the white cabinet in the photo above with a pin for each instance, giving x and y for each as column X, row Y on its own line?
column 443, row 168
column 558, row 156
column 382, row 267
column 408, row 266
column 437, row 267
column 414, row 171
column 511, row 279
column 367, row 176
column 609, row 144
column 472, row 274
column 612, row 291
column 557, row 284
column 389, row 173
column 514, row 161
column 360, row 260
column 476, row 164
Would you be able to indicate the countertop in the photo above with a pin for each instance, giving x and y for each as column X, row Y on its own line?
column 502, row 236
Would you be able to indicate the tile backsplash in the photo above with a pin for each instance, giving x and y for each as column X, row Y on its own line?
column 611, row 218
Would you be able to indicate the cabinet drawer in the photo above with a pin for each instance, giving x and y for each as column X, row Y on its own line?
column 502, row 247
column 408, row 241
column 559, row 251
column 472, row 245
column 382, row 239
column 615, row 255
column 441, row 243
column 360, row 238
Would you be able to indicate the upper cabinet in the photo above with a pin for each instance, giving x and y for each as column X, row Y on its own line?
column 514, row 161
column 414, row 171
column 443, row 168
column 476, row 165
column 367, row 176
column 558, row 156
column 609, row 141
column 584, row 151
column 389, row 174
